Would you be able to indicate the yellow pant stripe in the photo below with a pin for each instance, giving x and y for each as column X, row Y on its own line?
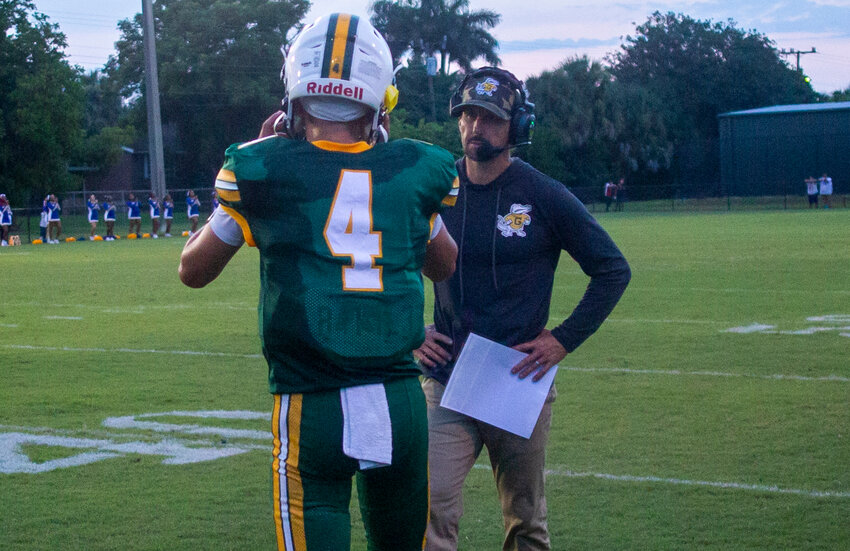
column 288, row 489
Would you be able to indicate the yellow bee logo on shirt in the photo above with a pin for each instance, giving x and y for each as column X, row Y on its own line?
column 515, row 222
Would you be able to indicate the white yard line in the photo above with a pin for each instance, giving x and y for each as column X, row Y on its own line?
column 130, row 350
column 763, row 488
column 72, row 318
column 668, row 372
column 724, row 290
column 677, row 372
column 556, row 319
column 137, row 309
column 683, row 322
column 118, row 444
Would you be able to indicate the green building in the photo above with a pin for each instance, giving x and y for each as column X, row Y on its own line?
column 772, row 150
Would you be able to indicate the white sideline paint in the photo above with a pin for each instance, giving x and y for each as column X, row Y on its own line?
column 753, row 328
column 841, row 323
column 832, row 318
column 74, row 318
column 132, row 422
column 778, row 376
column 775, row 377
column 813, row 330
column 142, row 308
column 762, row 291
column 13, row 460
column 677, row 322
column 8, row 325
column 563, row 471
column 130, row 350
column 555, row 318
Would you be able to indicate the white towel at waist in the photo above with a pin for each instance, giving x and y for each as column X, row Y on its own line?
column 367, row 430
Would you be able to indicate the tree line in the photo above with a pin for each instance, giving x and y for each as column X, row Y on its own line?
column 647, row 112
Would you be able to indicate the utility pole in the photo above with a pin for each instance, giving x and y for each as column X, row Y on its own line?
column 798, row 53
column 155, row 156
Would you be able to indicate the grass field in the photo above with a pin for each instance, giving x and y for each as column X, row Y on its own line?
column 712, row 410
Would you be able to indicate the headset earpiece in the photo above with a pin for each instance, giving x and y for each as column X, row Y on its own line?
column 522, row 122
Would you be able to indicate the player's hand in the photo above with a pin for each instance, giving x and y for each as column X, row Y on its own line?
column 543, row 352
column 432, row 352
column 268, row 128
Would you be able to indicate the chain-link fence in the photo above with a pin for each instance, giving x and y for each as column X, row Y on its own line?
column 74, row 210
column 686, row 199
column 632, row 199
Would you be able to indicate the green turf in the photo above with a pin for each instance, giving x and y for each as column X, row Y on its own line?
column 669, row 432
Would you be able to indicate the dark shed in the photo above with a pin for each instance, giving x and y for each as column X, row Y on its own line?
column 772, row 150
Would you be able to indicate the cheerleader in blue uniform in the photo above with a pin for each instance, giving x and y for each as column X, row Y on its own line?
column 154, row 206
column 193, row 206
column 5, row 220
column 109, row 218
column 93, row 207
column 134, row 215
column 54, row 221
column 167, row 213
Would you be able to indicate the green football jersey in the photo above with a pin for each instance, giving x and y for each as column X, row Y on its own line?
column 341, row 231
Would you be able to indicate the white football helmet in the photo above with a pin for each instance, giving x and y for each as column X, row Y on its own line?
column 340, row 56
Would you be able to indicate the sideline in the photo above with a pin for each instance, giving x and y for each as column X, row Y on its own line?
column 130, row 350
column 769, row 489
column 175, row 450
column 671, row 372
column 774, row 377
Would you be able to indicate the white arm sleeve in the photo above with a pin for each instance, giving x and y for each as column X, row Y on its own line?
column 438, row 223
column 226, row 228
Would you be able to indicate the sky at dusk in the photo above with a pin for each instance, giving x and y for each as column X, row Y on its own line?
column 536, row 36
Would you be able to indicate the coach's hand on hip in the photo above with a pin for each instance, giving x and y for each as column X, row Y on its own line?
column 543, row 352
column 432, row 353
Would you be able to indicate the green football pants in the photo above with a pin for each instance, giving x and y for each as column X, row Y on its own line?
column 312, row 475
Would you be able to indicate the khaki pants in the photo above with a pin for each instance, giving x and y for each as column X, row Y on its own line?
column 455, row 441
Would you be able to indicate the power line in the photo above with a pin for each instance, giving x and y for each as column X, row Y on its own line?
column 798, row 53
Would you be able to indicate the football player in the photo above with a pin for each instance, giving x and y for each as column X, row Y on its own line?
column 345, row 224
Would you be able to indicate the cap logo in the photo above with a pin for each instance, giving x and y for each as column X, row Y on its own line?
column 487, row 88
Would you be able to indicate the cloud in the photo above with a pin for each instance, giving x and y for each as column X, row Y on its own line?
column 509, row 46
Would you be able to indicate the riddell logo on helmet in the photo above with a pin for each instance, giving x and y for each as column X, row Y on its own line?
column 330, row 89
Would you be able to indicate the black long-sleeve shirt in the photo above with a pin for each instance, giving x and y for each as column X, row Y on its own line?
column 510, row 235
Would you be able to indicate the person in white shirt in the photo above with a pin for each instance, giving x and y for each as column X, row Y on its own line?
column 812, row 192
column 825, row 189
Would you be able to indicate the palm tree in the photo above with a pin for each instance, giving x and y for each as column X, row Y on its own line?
column 424, row 28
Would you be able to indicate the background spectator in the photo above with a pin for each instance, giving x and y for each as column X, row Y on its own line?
column 93, row 208
column 5, row 220
column 54, row 221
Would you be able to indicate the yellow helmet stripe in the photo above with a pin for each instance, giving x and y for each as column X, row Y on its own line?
column 339, row 46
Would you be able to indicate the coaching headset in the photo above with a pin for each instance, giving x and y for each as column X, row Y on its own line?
column 522, row 111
